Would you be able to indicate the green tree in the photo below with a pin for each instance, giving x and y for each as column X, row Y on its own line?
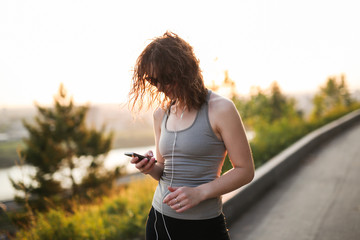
column 274, row 120
column 334, row 94
column 267, row 105
column 59, row 142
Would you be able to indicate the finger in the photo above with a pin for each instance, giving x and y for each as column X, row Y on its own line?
column 174, row 201
column 134, row 160
column 142, row 163
column 172, row 189
column 171, row 195
column 169, row 198
column 148, row 165
column 152, row 160
column 149, row 154
column 176, row 206
column 182, row 209
column 145, row 165
column 182, row 206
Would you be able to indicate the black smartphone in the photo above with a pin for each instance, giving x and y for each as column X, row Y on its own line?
column 132, row 154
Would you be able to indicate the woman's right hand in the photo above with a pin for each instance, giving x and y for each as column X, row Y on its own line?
column 145, row 166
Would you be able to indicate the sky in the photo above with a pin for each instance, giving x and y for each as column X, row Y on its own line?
column 91, row 46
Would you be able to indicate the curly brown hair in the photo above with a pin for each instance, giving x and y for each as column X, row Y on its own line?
column 167, row 64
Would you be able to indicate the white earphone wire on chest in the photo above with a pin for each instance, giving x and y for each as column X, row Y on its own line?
column 172, row 177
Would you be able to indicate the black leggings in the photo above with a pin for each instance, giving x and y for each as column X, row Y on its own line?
column 208, row 229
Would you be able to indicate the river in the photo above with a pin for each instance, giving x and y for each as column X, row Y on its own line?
column 114, row 158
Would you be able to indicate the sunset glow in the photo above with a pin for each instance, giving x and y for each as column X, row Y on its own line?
column 91, row 46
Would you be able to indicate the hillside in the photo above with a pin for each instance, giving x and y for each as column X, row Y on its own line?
column 129, row 132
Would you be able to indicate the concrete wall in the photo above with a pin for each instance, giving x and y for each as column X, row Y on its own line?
column 274, row 171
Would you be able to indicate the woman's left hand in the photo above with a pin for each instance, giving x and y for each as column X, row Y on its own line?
column 182, row 198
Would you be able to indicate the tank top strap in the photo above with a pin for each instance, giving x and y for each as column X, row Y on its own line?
column 208, row 95
column 205, row 107
column 204, row 111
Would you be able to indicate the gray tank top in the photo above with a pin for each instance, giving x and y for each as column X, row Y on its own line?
column 198, row 157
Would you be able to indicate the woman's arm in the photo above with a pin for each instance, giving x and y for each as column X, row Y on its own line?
column 150, row 167
column 228, row 126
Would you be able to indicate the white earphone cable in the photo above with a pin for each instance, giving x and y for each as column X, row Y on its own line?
column 171, row 181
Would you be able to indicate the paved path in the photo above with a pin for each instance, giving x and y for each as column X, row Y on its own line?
column 318, row 201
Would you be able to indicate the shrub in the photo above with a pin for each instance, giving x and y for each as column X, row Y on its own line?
column 121, row 216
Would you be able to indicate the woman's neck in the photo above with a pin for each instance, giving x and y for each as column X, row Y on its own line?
column 177, row 108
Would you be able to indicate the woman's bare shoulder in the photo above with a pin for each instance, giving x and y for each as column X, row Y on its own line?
column 158, row 114
column 223, row 114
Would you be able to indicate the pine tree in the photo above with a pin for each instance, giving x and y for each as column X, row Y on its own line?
column 59, row 142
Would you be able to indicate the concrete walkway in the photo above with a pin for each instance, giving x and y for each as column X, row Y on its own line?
column 318, row 201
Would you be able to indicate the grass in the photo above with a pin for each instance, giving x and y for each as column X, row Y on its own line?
column 119, row 216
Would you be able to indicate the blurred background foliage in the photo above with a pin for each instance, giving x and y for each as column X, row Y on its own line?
column 276, row 123
column 119, row 215
column 96, row 208
column 59, row 142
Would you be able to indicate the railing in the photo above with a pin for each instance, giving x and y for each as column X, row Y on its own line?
column 274, row 171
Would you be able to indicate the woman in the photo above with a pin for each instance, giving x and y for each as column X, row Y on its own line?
column 194, row 129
